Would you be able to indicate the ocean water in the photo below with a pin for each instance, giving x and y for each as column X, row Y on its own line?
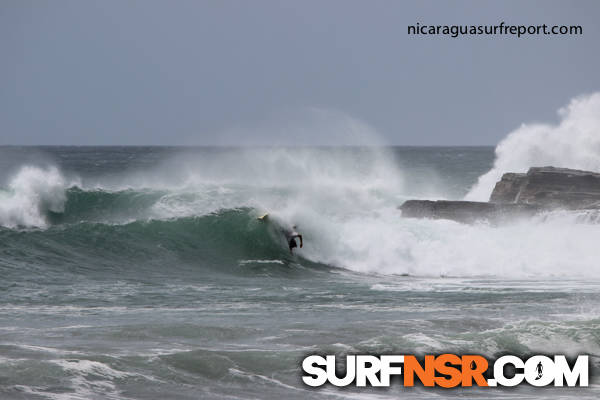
column 143, row 272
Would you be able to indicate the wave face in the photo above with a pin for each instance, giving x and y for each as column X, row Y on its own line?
column 221, row 242
column 200, row 205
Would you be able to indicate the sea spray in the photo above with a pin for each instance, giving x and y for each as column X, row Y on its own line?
column 30, row 193
column 573, row 143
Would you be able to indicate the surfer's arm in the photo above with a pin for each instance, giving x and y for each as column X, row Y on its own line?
column 300, row 237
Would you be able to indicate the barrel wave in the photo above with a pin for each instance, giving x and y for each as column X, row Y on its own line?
column 228, row 241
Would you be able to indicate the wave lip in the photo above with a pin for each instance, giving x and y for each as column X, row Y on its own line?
column 31, row 193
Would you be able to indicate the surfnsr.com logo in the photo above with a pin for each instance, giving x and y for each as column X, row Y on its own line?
column 446, row 370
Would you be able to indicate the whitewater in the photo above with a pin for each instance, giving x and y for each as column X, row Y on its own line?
column 143, row 272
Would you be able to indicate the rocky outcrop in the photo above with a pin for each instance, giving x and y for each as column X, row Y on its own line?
column 551, row 188
column 518, row 195
column 507, row 189
column 466, row 211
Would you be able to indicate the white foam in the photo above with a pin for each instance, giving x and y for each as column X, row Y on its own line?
column 362, row 230
column 573, row 143
column 87, row 379
column 31, row 192
column 244, row 262
column 88, row 367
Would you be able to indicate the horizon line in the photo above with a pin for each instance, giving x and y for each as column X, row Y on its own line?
column 246, row 146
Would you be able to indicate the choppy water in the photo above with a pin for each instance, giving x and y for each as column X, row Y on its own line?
column 143, row 273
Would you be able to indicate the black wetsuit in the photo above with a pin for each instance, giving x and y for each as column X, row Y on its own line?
column 292, row 242
column 291, row 236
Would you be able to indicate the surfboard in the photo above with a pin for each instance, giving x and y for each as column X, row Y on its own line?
column 263, row 217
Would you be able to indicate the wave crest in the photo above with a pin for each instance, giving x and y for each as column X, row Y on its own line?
column 31, row 193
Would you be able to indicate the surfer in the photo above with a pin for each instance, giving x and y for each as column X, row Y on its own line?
column 290, row 236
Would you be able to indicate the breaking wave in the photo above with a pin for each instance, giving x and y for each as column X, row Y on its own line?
column 191, row 210
column 30, row 194
column 573, row 143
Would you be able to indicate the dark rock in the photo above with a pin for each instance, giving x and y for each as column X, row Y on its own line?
column 551, row 188
column 507, row 189
column 466, row 211
column 518, row 195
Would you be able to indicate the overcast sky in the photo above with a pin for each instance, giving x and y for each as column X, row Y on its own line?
column 284, row 72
